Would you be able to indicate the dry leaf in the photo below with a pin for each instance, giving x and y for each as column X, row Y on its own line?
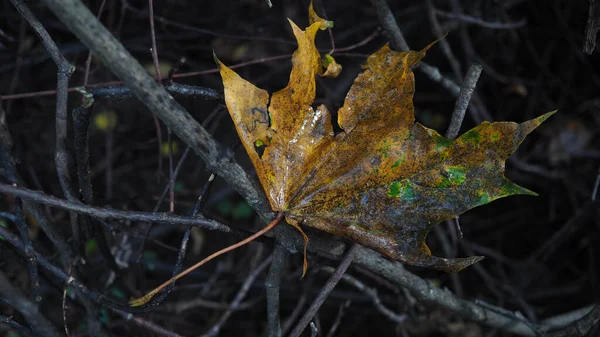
column 385, row 180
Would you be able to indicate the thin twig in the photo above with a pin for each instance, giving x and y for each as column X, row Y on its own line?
column 88, row 61
column 272, row 285
column 480, row 22
column 592, row 27
column 17, row 326
column 81, row 121
column 462, row 102
column 181, row 306
column 105, row 213
column 177, row 88
column 120, row 92
column 517, row 316
column 388, row 22
column 29, row 310
column 146, row 298
column 154, row 52
column 313, row 330
column 479, row 111
column 427, row 292
column 319, row 5
column 30, row 260
column 338, row 317
column 371, row 293
column 64, row 302
column 76, row 285
column 93, row 34
column 66, row 254
column 9, row 172
column 580, row 327
column 289, row 320
column 327, row 288
column 445, row 46
column 596, row 184
column 65, row 69
column 154, row 328
column 153, row 36
column 241, row 294
column 184, row 241
column 201, row 199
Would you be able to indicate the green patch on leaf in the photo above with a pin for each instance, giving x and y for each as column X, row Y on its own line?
column 394, row 190
column 494, row 137
column 472, row 137
column 402, row 189
column 259, row 143
column 453, row 176
column 456, row 174
column 399, row 161
column 484, row 198
column 442, row 143
column 510, row 188
column 385, row 148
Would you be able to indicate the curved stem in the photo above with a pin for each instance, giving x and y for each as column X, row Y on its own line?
column 144, row 299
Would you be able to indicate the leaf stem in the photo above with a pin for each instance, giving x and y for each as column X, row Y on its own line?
column 144, row 299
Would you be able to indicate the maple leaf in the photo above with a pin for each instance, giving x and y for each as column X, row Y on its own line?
column 384, row 181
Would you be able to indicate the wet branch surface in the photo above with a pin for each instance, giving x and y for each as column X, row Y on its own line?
column 60, row 229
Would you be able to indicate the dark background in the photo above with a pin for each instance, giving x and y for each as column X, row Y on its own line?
column 542, row 252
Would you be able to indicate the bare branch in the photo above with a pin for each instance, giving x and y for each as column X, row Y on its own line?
column 592, row 27
column 105, row 213
column 272, row 287
column 29, row 310
column 324, row 293
column 462, row 102
column 95, row 36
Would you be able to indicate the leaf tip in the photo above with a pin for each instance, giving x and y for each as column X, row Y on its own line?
column 447, row 265
column 531, row 124
column 460, row 264
column 545, row 116
column 217, row 61
column 528, row 192
column 510, row 188
column 314, row 17
column 293, row 24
